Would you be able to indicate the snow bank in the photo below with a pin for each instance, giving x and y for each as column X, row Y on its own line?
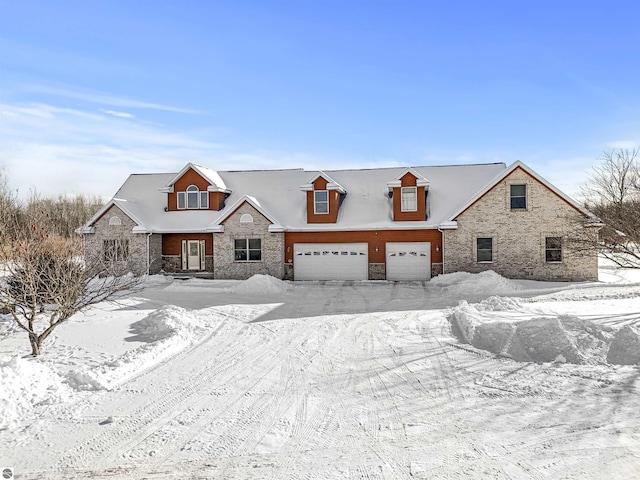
column 563, row 338
column 166, row 332
column 258, row 284
column 25, row 384
column 483, row 282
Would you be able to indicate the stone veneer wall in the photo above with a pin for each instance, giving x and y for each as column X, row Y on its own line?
column 94, row 246
column 377, row 271
column 155, row 254
column 519, row 235
column 272, row 262
column 173, row 264
column 436, row 269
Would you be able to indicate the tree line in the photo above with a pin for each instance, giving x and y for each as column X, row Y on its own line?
column 63, row 214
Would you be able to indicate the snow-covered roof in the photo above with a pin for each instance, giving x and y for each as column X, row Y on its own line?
column 366, row 206
column 331, row 183
column 210, row 175
column 421, row 181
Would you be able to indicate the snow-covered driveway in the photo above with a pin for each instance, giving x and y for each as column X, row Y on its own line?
column 388, row 394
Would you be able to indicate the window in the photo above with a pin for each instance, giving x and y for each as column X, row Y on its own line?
column 409, row 199
column 115, row 250
column 553, row 249
column 246, row 218
column 484, row 250
column 518, row 197
column 193, row 199
column 248, row 249
column 320, row 201
column 115, row 220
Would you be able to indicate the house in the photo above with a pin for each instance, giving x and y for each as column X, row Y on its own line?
column 385, row 223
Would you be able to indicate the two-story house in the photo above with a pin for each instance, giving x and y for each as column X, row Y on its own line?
column 377, row 224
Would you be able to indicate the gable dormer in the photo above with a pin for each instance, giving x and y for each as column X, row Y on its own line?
column 196, row 188
column 408, row 192
column 324, row 197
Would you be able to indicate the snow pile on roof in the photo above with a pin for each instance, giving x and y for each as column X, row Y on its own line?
column 26, row 383
column 258, row 284
column 165, row 331
column 562, row 338
column 483, row 282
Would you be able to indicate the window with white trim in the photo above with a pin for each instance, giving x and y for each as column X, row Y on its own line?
column 409, row 199
column 553, row 249
column 518, row 197
column 484, row 249
column 115, row 250
column 193, row 199
column 247, row 249
column 320, row 201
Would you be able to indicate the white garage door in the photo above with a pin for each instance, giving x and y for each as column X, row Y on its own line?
column 330, row 261
column 408, row 261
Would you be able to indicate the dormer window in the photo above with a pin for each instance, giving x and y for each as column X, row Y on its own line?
column 320, row 201
column 409, row 199
column 193, row 199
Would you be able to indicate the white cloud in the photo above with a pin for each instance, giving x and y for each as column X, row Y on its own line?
column 106, row 99
column 61, row 150
column 118, row 114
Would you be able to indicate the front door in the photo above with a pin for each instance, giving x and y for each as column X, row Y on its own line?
column 193, row 255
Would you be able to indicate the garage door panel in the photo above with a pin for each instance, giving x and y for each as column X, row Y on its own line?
column 408, row 260
column 331, row 261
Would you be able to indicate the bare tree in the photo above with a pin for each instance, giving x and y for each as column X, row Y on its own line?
column 67, row 212
column 45, row 279
column 8, row 204
column 613, row 194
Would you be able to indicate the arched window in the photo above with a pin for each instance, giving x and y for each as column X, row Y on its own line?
column 192, row 196
column 115, row 220
column 246, row 218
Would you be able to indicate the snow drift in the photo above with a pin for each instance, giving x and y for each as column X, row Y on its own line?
column 166, row 332
column 561, row 338
column 260, row 284
column 475, row 283
column 25, row 384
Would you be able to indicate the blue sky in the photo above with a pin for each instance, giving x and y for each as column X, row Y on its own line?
column 92, row 90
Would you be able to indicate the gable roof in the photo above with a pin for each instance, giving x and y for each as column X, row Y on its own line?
column 114, row 202
column 216, row 184
column 504, row 174
column 331, row 183
column 218, row 226
column 421, row 181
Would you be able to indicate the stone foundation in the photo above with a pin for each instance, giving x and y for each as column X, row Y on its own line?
column 377, row 271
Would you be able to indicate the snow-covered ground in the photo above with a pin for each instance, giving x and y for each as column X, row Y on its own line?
column 466, row 376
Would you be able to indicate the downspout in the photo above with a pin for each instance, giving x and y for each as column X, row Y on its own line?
column 442, row 247
column 149, row 252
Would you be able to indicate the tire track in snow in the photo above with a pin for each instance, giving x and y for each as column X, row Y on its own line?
column 107, row 444
column 262, row 409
